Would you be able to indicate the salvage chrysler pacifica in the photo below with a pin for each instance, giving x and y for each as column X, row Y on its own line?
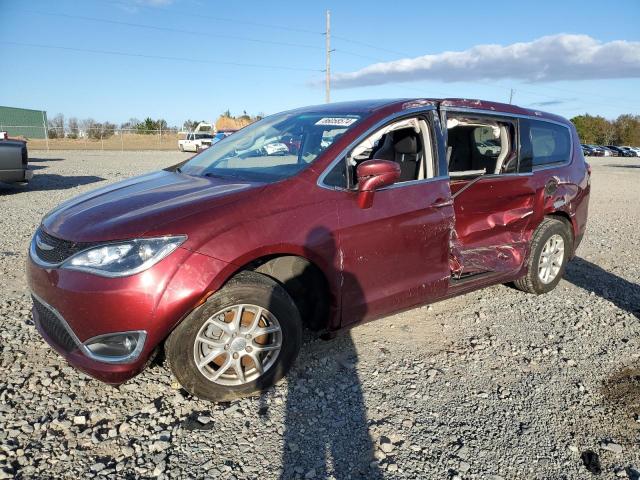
column 319, row 218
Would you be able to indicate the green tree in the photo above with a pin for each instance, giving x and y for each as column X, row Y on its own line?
column 594, row 129
column 627, row 128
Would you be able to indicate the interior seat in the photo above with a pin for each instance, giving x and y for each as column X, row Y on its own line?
column 405, row 148
column 460, row 157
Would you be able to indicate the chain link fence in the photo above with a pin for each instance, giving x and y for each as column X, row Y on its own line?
column 98, row 138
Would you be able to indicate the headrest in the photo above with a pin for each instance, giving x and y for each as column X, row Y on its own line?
column 313, row 141
column 406, row 142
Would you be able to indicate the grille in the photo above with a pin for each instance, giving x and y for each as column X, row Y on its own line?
column 61, row 249
column 53, row 327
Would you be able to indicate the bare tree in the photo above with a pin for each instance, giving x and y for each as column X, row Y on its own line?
column 73, row 128
column 56, row 126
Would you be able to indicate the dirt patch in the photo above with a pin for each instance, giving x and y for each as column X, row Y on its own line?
column 622, row 392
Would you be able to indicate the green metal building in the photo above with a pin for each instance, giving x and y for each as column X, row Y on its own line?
column 23, row 122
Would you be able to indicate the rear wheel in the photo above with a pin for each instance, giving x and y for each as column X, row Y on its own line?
column 550, row 251
column 240, row 342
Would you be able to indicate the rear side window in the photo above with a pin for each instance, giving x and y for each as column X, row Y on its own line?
column 550, row 143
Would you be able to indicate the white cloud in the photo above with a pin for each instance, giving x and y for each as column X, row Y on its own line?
column 546, row 59
column 133, row 6
column 154, row 3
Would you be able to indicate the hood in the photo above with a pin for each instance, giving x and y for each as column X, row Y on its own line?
column 129, row 208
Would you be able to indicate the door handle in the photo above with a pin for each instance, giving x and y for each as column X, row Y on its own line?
column 441, row 202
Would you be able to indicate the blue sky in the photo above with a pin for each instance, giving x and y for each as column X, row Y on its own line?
column 268, row 56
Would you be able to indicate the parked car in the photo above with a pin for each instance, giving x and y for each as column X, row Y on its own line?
column 194, row 142
column 599, row 151
column 223, row 259
column 631, row 152
column 219, row 136
column 14, row 160
column 589, row 151
column 619, row 151
column 227, row 131
column 607, row 151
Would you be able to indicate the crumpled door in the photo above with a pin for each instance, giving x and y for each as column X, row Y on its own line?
column 491, row 220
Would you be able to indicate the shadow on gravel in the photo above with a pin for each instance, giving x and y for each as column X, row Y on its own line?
column 49, row 181
column 589, row 276
column 38, row 160
column 622, row 166
column 326, row 431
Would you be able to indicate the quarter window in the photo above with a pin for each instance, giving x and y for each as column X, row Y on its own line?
column 550, row 143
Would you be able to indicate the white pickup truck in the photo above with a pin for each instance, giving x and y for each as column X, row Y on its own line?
column 199, row 139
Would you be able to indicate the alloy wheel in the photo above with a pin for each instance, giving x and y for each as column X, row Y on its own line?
column 551, row 259
column 238, row 344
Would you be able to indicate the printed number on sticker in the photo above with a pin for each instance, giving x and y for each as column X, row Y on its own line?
column 336, row 121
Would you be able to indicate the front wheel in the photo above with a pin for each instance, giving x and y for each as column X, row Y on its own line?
column 550, row 251
column 240, row 342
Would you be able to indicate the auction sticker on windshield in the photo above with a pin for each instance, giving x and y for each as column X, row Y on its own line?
column 337, row 121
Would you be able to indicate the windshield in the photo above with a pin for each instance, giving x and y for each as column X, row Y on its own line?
column 272, row 149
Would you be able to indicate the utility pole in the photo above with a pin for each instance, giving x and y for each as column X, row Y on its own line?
column 46, row 130
column 327, row 96
column 511, row 95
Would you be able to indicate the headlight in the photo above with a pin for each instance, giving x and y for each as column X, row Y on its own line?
column 115, row 347
column 126, row 258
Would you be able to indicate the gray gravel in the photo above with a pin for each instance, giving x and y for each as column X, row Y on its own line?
column 494, row 384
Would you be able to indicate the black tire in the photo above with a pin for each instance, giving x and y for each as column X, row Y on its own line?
column 250, row 288
column 531, row 282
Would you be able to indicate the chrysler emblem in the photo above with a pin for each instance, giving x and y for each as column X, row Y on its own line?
column 43, row 246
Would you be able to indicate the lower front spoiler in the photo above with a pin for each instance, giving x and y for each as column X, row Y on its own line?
column 113, row 374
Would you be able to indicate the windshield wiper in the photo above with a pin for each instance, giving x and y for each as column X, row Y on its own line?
column 215, row 175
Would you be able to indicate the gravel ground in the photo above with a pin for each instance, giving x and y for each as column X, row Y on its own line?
column 495, row 384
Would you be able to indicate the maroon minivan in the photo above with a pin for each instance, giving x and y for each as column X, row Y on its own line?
column 319, row 218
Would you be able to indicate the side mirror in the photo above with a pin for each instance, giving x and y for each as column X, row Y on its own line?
column 372, row 175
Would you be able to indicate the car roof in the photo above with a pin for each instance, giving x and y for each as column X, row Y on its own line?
column 397, row 104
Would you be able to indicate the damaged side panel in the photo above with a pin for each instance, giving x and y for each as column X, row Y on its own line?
column 491, row 220
column 395, row 253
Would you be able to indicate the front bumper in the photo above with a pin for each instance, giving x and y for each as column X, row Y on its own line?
column 71, row 307
column 16, row 176
column 56, row 332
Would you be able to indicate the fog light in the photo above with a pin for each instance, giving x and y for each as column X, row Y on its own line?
column 119, row 347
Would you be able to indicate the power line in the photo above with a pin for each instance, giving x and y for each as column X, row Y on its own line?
column 175, row 30
column 220, row 19
column 347, row 52
column 263, row 41
column 161, row 57
column 369, row 45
